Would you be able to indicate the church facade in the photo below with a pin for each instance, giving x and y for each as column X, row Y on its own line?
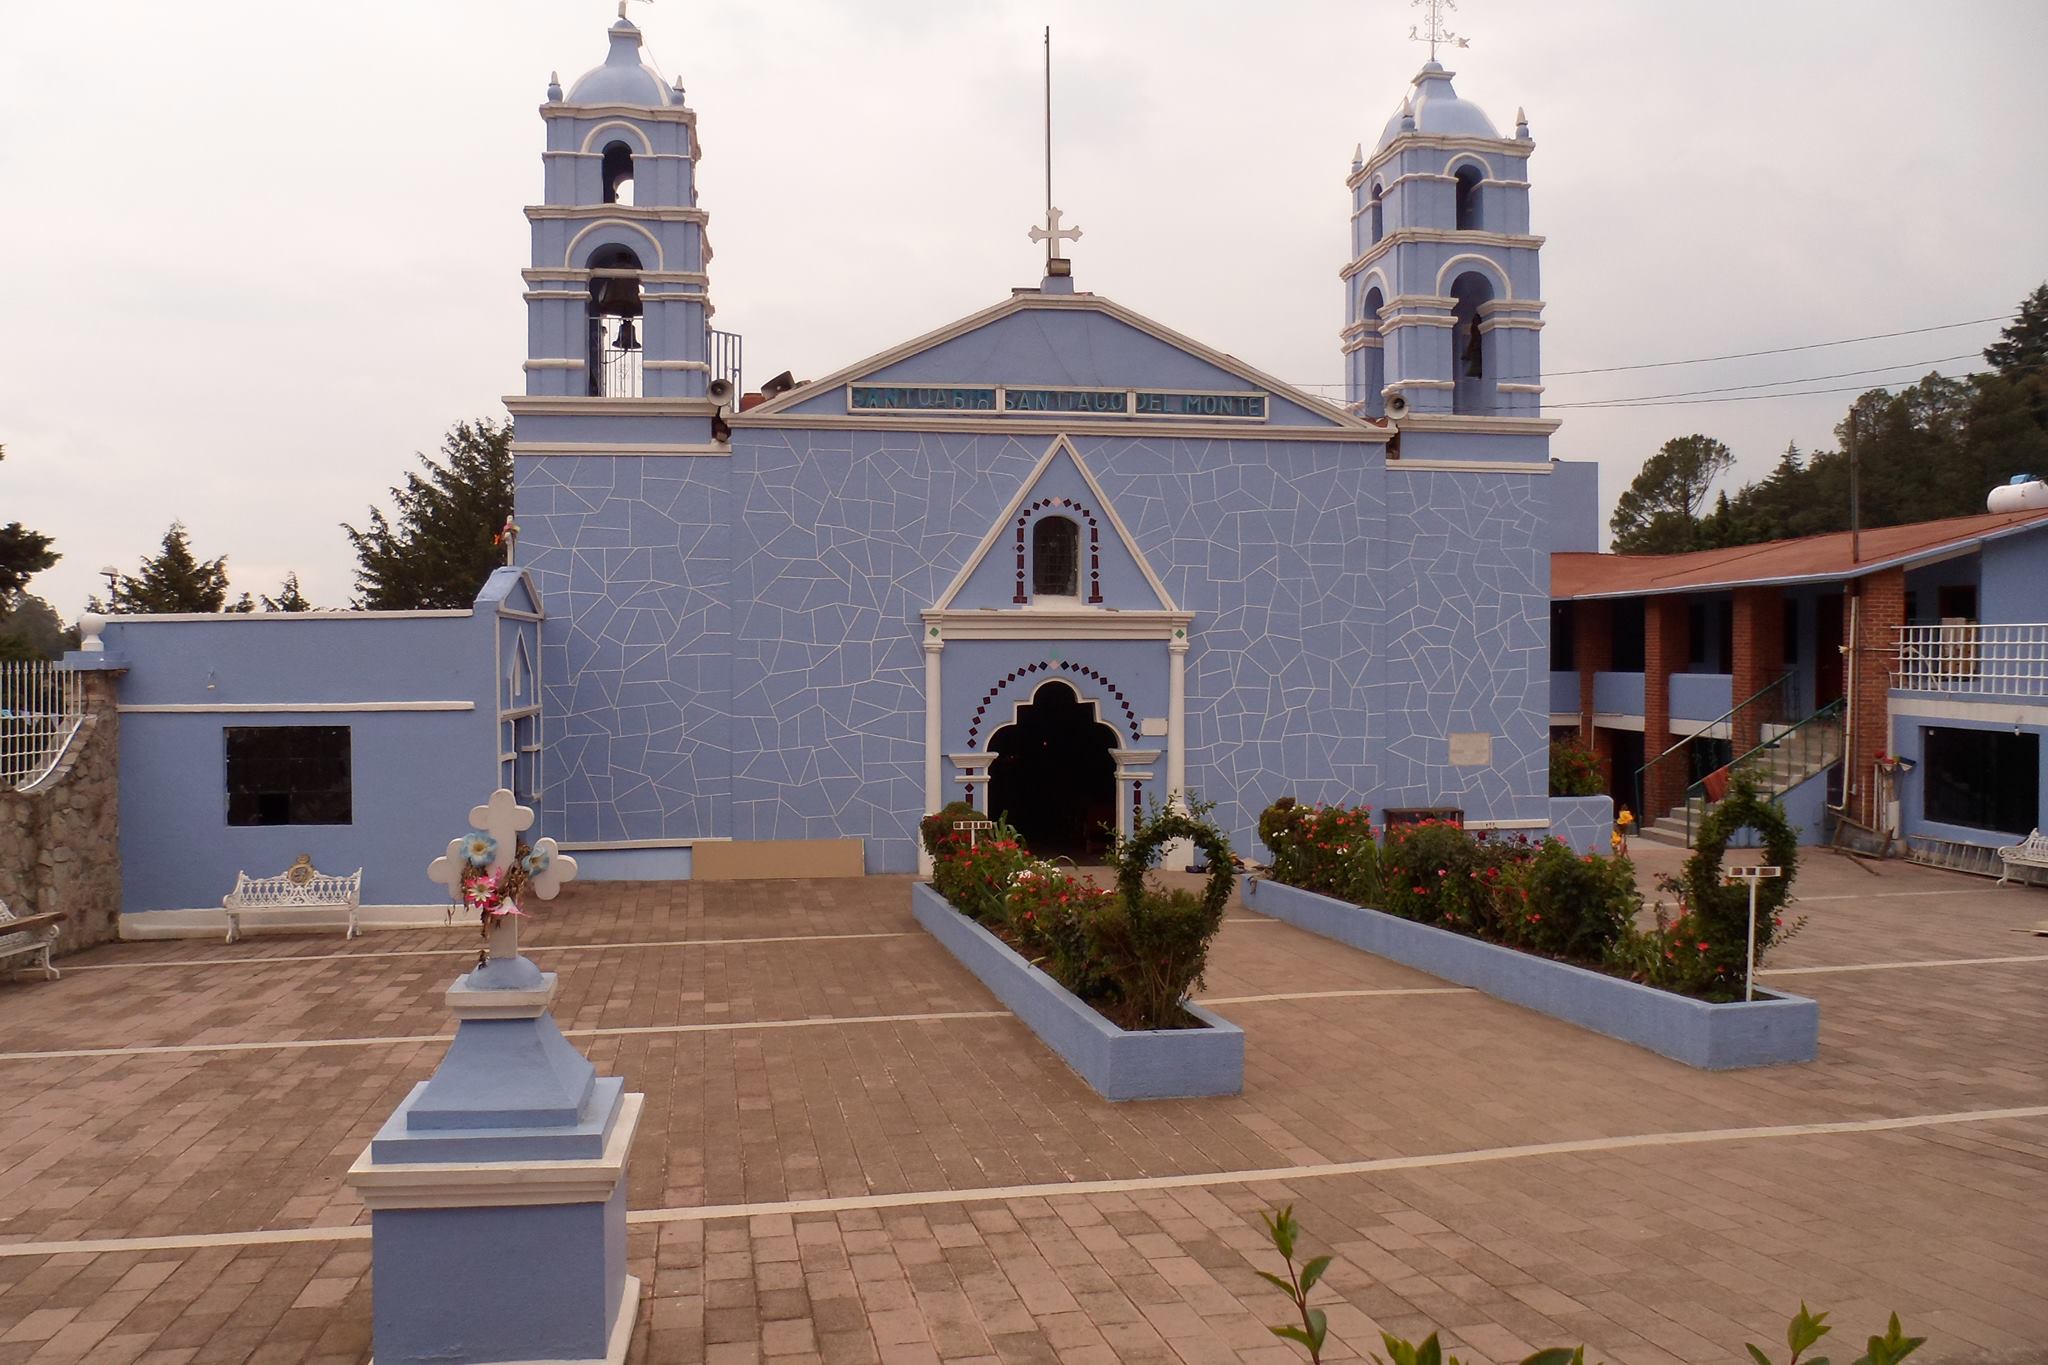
column 1054, row 557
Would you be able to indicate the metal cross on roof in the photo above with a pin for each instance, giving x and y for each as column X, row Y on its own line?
column 1434, row 31
column 1052, row 234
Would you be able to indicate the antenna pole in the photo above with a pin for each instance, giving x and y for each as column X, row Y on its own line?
column 1050, row 244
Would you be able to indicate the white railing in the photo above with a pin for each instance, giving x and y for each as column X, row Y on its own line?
column 1996, row 661
column 41, row 707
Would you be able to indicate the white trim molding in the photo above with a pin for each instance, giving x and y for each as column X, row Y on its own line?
column 251, row 708
column 1905, row 706
column 1491, row 426
column 1079, row 623
column 499, row 1184
column 1469, row 466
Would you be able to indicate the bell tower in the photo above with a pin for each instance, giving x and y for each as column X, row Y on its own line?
column 617, row 296
column 1442, row 307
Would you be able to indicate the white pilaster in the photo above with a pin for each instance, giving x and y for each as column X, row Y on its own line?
column 1178, row 856
column 934, row 775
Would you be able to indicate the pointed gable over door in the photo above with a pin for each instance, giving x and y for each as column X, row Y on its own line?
column 1109, row 571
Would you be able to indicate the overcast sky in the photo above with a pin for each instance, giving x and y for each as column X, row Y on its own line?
column 259, row 254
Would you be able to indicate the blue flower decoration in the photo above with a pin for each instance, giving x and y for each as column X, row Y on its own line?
column 535, row 862
column 479, row 849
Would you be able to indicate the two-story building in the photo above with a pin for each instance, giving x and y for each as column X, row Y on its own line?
column 1898, row 677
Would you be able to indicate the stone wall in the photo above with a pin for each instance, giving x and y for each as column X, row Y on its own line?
column 59, row 843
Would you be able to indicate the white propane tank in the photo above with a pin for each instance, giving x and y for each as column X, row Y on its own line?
column 2024, row 493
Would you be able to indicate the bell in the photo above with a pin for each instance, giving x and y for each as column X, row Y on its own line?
column 627, row 341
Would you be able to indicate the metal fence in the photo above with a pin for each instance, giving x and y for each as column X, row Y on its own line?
column 1997, row 661
column 41, row 707
column 722, row 349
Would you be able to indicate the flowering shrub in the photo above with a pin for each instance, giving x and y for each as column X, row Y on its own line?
column 1134, row 951
column 1541, row 897
column 1332, row 850
column 1575, row 770
column 1050, row 915
column 972, row 870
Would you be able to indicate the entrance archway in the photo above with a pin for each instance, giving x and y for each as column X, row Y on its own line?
column 1054, row 777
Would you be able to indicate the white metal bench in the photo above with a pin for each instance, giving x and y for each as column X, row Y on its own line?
column 2031, row 851
column 30, row 937
column 299, row 887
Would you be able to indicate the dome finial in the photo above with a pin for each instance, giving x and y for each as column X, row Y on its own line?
column 1521, row 123
column 1358, row 156
column 554, row 87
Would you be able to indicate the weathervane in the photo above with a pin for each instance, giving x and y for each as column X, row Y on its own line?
column 1433, row 32
column 1052, row 234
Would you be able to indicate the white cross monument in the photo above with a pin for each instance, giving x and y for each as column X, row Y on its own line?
column 1052, row 234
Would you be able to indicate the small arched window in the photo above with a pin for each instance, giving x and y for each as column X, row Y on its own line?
column 1376, row 217
column 1055, row 558
column 618, row 173
column 1469, row 177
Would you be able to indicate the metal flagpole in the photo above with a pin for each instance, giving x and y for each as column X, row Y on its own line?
column 1050, row 243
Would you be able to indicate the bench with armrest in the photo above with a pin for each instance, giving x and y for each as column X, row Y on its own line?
column 27, row 940
column 298, row 891
column 2031, row 851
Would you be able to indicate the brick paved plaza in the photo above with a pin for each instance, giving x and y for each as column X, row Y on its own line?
column 851, row 1153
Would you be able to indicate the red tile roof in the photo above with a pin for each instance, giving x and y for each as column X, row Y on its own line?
column 1809, row 558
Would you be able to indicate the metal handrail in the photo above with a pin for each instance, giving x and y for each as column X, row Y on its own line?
column 1781, row 684
column 1800, row 734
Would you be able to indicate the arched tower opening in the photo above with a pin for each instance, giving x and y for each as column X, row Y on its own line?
column 618, row 173
column 1472, row 346
column 1468, row 179
column 614, row 321
column 1372, row 357
column 1376, row 218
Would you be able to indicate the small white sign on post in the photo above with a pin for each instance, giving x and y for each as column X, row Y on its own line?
column 1755, row 876
column 973, row 828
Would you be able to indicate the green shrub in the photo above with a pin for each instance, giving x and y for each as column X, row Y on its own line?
column 1333, row 850
column 1575, row 770
column 1426, row 873
column 1722, row 911
column 1134, row 952
column 936, row 831
column 1576, row 906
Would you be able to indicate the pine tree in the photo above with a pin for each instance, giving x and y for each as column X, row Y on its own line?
column 23, row 554
column 2022, row 345
column 288, row 598
column 174, row 580
column 1660, row 512
column 445, row 541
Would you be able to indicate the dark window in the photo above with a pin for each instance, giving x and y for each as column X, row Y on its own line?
column 1791, row 632
column 1724, row 635
column 1696, row 623
column 1564, row 645
column 1983, row 779
column 288, row 775
column 1626, row 632
column 1055, row 557
column 1957, row 602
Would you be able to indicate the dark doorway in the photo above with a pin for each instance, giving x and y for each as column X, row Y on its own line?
column 1628, row 759
column 1827, row 649
column 1053, row 777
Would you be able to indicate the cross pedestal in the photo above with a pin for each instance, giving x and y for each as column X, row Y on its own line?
column 497, row 1188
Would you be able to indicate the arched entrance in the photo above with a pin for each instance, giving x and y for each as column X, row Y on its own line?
column 1054, row 777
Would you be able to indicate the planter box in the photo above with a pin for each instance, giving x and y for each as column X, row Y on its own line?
column 1155, row 1064
column 1772, row 1030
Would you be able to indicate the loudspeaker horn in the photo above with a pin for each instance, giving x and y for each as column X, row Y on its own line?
column 721, row 391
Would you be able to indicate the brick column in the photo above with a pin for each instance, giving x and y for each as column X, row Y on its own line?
column 1867, row 679
column 1759, row 658
column 1593, row 647
column 1667, row 649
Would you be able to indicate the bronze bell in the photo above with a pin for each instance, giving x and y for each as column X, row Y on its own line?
column 627, row 341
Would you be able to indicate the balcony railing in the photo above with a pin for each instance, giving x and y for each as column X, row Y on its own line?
column 722, row 349
column 1981, row 660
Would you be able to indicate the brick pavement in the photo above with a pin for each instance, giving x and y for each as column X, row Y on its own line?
column 1650, row 1252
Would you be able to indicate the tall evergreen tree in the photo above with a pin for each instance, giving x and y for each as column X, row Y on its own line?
column 1660, row 512
column 174, row 580
column 288, row 598
column 2022, row 345
column 23, row 554
column 445, row 540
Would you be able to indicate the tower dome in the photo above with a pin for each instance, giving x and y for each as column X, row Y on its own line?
column 624, row 78
column 1436, row 108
